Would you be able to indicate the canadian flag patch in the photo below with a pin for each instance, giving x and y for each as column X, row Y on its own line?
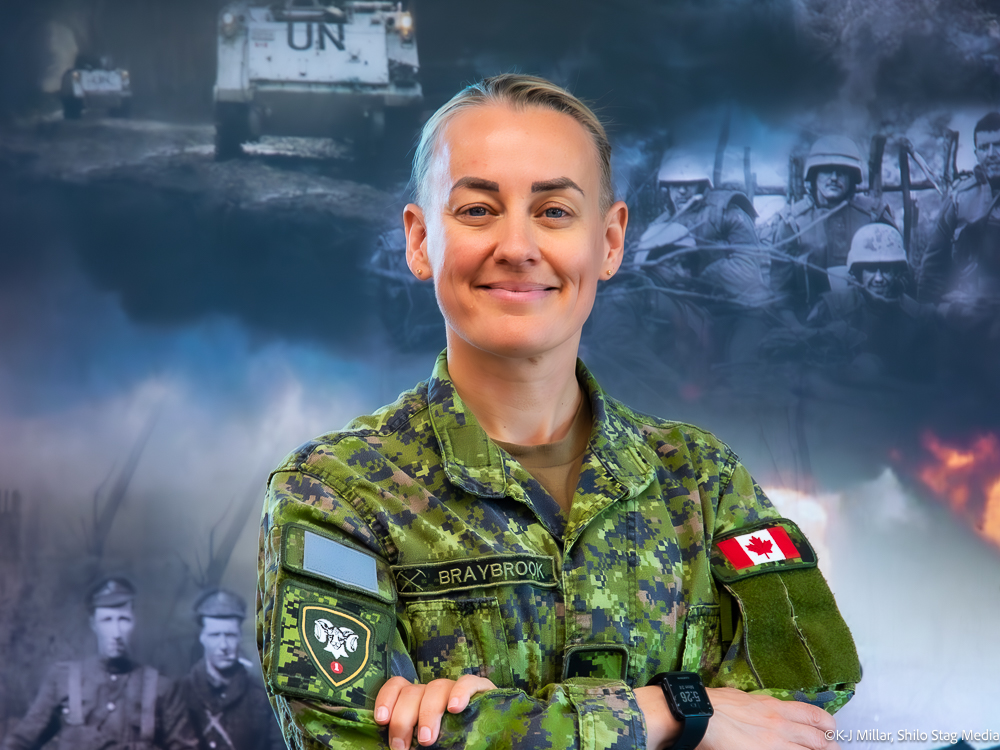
column 760, row 546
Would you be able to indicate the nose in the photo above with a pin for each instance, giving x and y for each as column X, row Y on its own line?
column 516, row 244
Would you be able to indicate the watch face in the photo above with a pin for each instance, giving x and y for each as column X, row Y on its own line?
column 688, row 694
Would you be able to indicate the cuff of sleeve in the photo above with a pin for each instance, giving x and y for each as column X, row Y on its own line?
column 608, row 714
column 831, row 700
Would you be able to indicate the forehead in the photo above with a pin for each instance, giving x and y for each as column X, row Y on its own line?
column 220, row 625
column 535, row 143
column 110, row 613
column 987, row 136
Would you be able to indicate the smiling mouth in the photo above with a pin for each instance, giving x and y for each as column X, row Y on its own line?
column 517, row 291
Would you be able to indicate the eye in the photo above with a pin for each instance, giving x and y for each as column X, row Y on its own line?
column 554, row 212
column 476, row 211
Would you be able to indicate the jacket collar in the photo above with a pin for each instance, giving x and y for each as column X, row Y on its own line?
column 475, row 463
column 207, row 691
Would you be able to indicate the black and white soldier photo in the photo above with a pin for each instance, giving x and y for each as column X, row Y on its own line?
column 105, row 700
column 203, row 263
column 815, row 232
column 227, row 707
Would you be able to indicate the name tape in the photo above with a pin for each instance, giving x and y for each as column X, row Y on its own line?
column 495, row 570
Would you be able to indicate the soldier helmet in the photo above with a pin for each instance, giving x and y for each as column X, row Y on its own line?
column 684, row 166
column 220, row 603
column 876, row 243
column 834, row 151
column 110, row 592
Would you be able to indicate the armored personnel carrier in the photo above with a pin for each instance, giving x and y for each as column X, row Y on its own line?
column 301, row 68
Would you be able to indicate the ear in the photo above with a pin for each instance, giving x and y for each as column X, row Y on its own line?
column 614, row 239
column 415, row 228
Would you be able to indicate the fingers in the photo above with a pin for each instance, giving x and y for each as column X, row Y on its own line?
column 404, row 716
column 406, row 707
column 465, row 687
column 441, row 694
column 386, row 699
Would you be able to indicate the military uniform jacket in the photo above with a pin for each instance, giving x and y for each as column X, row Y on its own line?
column 900, row 333
column 411, row 544
column 728, row 262
column 965, row 242
column 90, row 706
column 234, row 717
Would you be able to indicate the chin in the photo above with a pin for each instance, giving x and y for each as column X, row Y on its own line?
column 517, row 338
column 515, row 346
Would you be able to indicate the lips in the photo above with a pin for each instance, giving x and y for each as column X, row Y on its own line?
column 517, row 291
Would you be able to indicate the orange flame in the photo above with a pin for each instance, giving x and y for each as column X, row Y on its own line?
column 963, row 475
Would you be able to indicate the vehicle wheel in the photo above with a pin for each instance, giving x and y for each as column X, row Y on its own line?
column 371, row 132
column 72, row 108
column 232, row 128
column 123, row 110
column 376, row 125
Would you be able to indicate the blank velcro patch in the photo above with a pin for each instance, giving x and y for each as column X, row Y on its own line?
column 307, row 552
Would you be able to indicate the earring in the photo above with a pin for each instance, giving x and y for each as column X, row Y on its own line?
column 610, row 272
column 420, row 272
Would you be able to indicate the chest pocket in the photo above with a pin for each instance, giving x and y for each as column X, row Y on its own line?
column 460, row 636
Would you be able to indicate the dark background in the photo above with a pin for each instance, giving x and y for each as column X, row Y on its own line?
column 170, row 326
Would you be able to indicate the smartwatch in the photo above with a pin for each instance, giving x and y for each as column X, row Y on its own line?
column 689, row 704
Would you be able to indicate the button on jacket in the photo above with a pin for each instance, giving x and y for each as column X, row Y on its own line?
column 409, row 543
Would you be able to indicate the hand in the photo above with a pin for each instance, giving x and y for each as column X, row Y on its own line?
column 404, row 705
column 750, row 722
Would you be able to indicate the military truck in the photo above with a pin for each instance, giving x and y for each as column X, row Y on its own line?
column 301, row 68
column 95, row 84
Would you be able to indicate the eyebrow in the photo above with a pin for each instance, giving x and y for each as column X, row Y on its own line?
column 544, row 186
column 477, row 183
column 560, row 183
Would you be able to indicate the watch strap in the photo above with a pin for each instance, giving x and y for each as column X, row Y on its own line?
column 692, row 732
column 693, row 727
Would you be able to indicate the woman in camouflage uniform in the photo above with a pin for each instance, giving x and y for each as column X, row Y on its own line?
column 506, row 556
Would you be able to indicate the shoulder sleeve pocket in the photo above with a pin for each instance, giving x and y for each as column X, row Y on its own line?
column 335, row 621
column 793, row 635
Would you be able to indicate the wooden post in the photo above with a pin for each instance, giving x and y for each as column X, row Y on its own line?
column 904, row 185
column 875, row 166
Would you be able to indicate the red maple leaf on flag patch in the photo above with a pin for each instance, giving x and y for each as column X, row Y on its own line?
column 759, row 546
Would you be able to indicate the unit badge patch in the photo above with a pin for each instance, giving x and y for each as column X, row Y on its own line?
column 338, row 643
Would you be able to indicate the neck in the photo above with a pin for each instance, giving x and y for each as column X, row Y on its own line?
column 116, row 664
column 527, row 401
column 218, row 677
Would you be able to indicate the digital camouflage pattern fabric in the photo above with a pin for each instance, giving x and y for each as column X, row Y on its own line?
column 460, row 573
